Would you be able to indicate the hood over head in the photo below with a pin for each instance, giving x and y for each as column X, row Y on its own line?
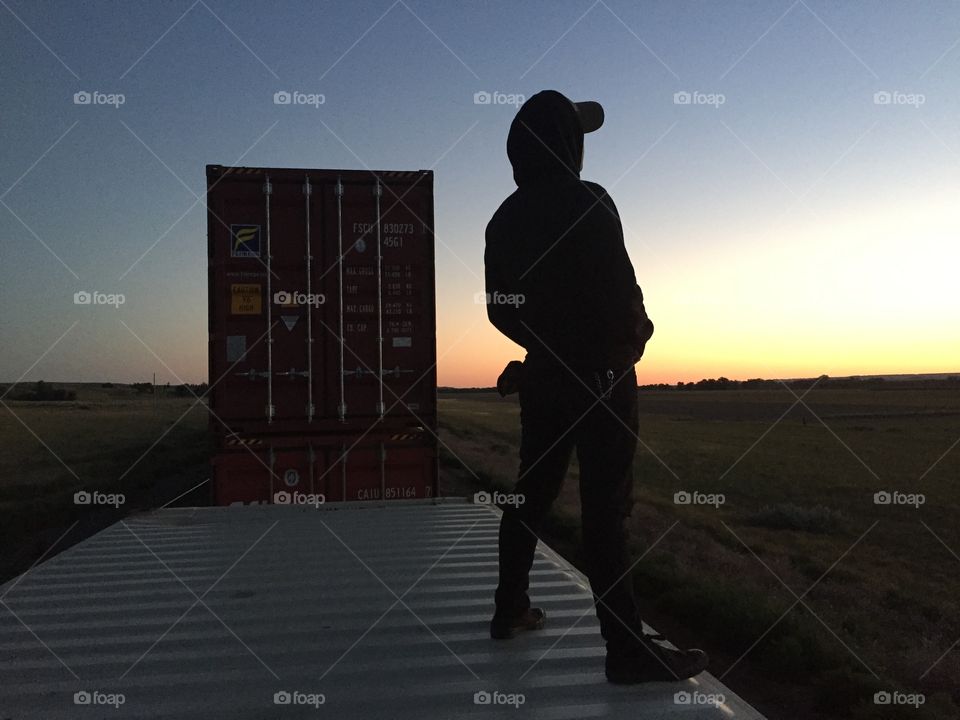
column 546, row 136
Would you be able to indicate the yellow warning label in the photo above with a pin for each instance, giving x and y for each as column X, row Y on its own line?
column 245, row 299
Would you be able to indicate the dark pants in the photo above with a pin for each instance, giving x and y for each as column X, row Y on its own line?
column 556, row 417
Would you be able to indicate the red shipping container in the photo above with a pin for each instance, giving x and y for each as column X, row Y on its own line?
column 316, row 469
column 321, row 313
column 321, row 282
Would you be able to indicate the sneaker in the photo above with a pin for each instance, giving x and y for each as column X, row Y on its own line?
column 653, row 662
column 505, row 628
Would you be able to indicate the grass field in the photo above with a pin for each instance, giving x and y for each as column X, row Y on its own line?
column 110, row 440
column 809, row 596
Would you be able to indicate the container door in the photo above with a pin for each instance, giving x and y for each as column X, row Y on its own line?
column 294, row 300
column 238, row 298
column 409, row 329
column 384, row 300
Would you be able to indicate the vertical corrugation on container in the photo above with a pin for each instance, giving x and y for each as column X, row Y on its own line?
column 359, row 301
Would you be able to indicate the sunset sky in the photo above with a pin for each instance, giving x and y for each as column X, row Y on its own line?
column 806, row 224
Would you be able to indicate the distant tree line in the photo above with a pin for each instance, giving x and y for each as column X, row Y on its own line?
column 49, row 392
column 825, row 381
column 857, row 383
column 185, row 390
column 41, row 391
column 443, row 389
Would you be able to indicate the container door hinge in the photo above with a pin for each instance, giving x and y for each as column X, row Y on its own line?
column 307, row 189
column 377, row 190
column 268, row 188
column 338, row 188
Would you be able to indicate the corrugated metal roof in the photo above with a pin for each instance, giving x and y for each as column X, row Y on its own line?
column 384, row 611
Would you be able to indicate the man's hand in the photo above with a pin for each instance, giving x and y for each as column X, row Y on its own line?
column 509, row 381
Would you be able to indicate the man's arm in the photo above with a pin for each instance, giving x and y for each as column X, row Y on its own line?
column 630, row 322
column 505, row 317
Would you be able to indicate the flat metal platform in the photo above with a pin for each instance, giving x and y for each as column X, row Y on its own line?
column 346, row 611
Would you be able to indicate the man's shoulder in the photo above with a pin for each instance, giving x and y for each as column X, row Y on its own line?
column 598, row 191
column 594, row 187
column 557, row 199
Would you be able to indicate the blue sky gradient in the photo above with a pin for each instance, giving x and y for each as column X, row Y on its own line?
column 765, row 186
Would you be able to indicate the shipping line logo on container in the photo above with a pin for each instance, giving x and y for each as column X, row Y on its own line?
column 295, row 97
column 244, row 241
column 295, row 298
column 96, row 297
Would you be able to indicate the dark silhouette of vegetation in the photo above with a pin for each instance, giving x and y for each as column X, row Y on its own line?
column 824, row 381
column 189, row 389
column 185, row 390
column 43, row 391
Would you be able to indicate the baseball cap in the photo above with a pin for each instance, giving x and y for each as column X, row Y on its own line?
column 590, row 114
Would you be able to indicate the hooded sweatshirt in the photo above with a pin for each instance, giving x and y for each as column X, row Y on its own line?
column 559, row 281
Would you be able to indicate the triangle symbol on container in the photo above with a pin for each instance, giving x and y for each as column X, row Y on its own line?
column 289, row 320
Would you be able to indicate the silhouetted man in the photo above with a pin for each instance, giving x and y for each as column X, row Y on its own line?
column 560, row 284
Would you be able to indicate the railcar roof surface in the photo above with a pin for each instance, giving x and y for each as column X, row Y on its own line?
column 346, row 611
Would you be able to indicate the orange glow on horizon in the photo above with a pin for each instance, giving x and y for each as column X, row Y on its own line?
column 864, row 292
